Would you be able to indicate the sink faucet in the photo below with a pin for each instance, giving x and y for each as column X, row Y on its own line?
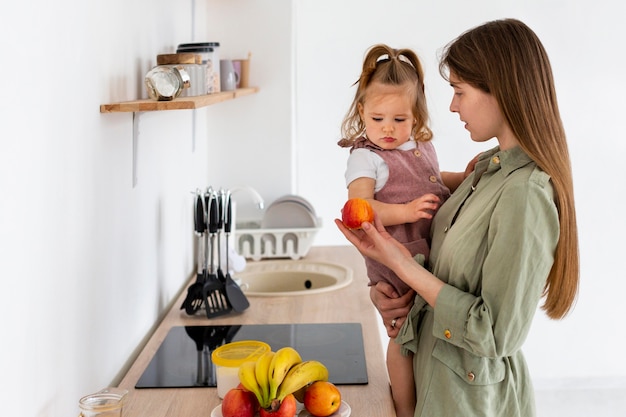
column 257, row 197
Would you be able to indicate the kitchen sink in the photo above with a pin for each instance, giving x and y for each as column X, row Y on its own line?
column 292, row 277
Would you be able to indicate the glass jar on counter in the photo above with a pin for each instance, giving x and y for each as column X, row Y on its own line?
column 105, row 403
column 165, row 82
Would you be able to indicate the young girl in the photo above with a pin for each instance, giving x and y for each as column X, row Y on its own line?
column 393, row 165
column 504, row 240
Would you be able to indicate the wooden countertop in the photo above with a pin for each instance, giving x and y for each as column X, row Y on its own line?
column 349, row 304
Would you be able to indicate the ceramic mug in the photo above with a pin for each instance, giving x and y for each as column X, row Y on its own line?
column 242, row 68
column 228, row 77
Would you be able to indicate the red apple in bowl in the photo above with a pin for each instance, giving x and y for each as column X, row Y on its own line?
column 239, row 403
column 287, row 408
column 322, row 398
column 355, row 212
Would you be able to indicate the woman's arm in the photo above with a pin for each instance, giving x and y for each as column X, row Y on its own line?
column 376, row 243
column 452, row 180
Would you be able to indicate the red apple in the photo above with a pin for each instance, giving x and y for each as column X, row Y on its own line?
column 322, row 398
column 287, row 408
column 239, row 403
column 355, row 212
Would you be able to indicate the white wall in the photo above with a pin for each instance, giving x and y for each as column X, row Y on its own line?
column 585, row 43
column 89, row 262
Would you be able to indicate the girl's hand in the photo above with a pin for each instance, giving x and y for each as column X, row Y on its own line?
column 423, row 207
column 390, row 306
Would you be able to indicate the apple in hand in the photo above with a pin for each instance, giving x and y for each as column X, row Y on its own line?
column 322, row 398
column 239, row 403
column 287, row 408
column 355, row 212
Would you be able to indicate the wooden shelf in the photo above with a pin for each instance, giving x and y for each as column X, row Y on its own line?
column 181, row 103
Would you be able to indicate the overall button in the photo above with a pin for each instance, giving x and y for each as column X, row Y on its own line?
column 417, row 153
column 432, row 178
column 495, row 160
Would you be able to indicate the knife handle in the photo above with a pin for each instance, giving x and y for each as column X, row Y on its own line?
column 228, row 215
column 213, row 214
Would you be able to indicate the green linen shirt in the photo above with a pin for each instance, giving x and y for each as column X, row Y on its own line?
column 494, row 248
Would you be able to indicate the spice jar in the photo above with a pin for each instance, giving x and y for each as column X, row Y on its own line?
column 209, row 51
column 165, row 83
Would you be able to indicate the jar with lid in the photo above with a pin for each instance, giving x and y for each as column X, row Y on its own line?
column 165, row 83
column 209, row 51
column 227, row 359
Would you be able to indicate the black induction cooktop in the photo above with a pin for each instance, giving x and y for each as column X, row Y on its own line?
column 184, row 358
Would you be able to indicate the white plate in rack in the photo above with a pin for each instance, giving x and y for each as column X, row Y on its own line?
column 288, row 214
column 344, row 411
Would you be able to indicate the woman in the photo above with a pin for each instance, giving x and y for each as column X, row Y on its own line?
column 506, row 237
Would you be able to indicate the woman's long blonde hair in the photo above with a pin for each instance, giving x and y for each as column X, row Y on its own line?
column 388, row 66
column 506, row 59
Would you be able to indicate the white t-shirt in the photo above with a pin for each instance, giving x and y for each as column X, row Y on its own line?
column 365, row 163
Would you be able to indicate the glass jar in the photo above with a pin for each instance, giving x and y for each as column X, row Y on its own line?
column 209, row 51
column 104, row 403
column 165, row 83
column 197, row 79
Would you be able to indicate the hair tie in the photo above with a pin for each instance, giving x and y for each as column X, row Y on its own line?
column 405, row 59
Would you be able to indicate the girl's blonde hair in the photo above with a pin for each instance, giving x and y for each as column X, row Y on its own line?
column 388, row 66
column 506, row 59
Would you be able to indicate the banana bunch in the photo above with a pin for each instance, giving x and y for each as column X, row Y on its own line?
column 277, row 374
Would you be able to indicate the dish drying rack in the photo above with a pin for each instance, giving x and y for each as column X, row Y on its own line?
column 257, row 244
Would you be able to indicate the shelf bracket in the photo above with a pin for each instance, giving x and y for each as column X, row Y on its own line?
column 193, row 130
column 135, row 145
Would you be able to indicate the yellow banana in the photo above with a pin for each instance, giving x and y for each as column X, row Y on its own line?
column 261, row 372
column 301, row 375
column 247, row 378
column 283, row 360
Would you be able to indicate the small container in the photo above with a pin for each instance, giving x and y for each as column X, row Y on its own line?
column 105, row 403
column 165, row 83
column 227, row 359
column 209, row 51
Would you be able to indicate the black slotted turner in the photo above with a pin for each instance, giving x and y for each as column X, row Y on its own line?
column 237, row 298
column 195, row 297
column 214, row 292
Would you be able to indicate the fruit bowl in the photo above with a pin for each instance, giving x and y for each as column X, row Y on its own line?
column 344, row 411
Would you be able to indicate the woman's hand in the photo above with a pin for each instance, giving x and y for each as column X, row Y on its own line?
column 376, row 242
column 392, row 308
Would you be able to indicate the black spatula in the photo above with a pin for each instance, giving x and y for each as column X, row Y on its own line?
column 237, row 298
column 195, row 298
column 214, row 293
